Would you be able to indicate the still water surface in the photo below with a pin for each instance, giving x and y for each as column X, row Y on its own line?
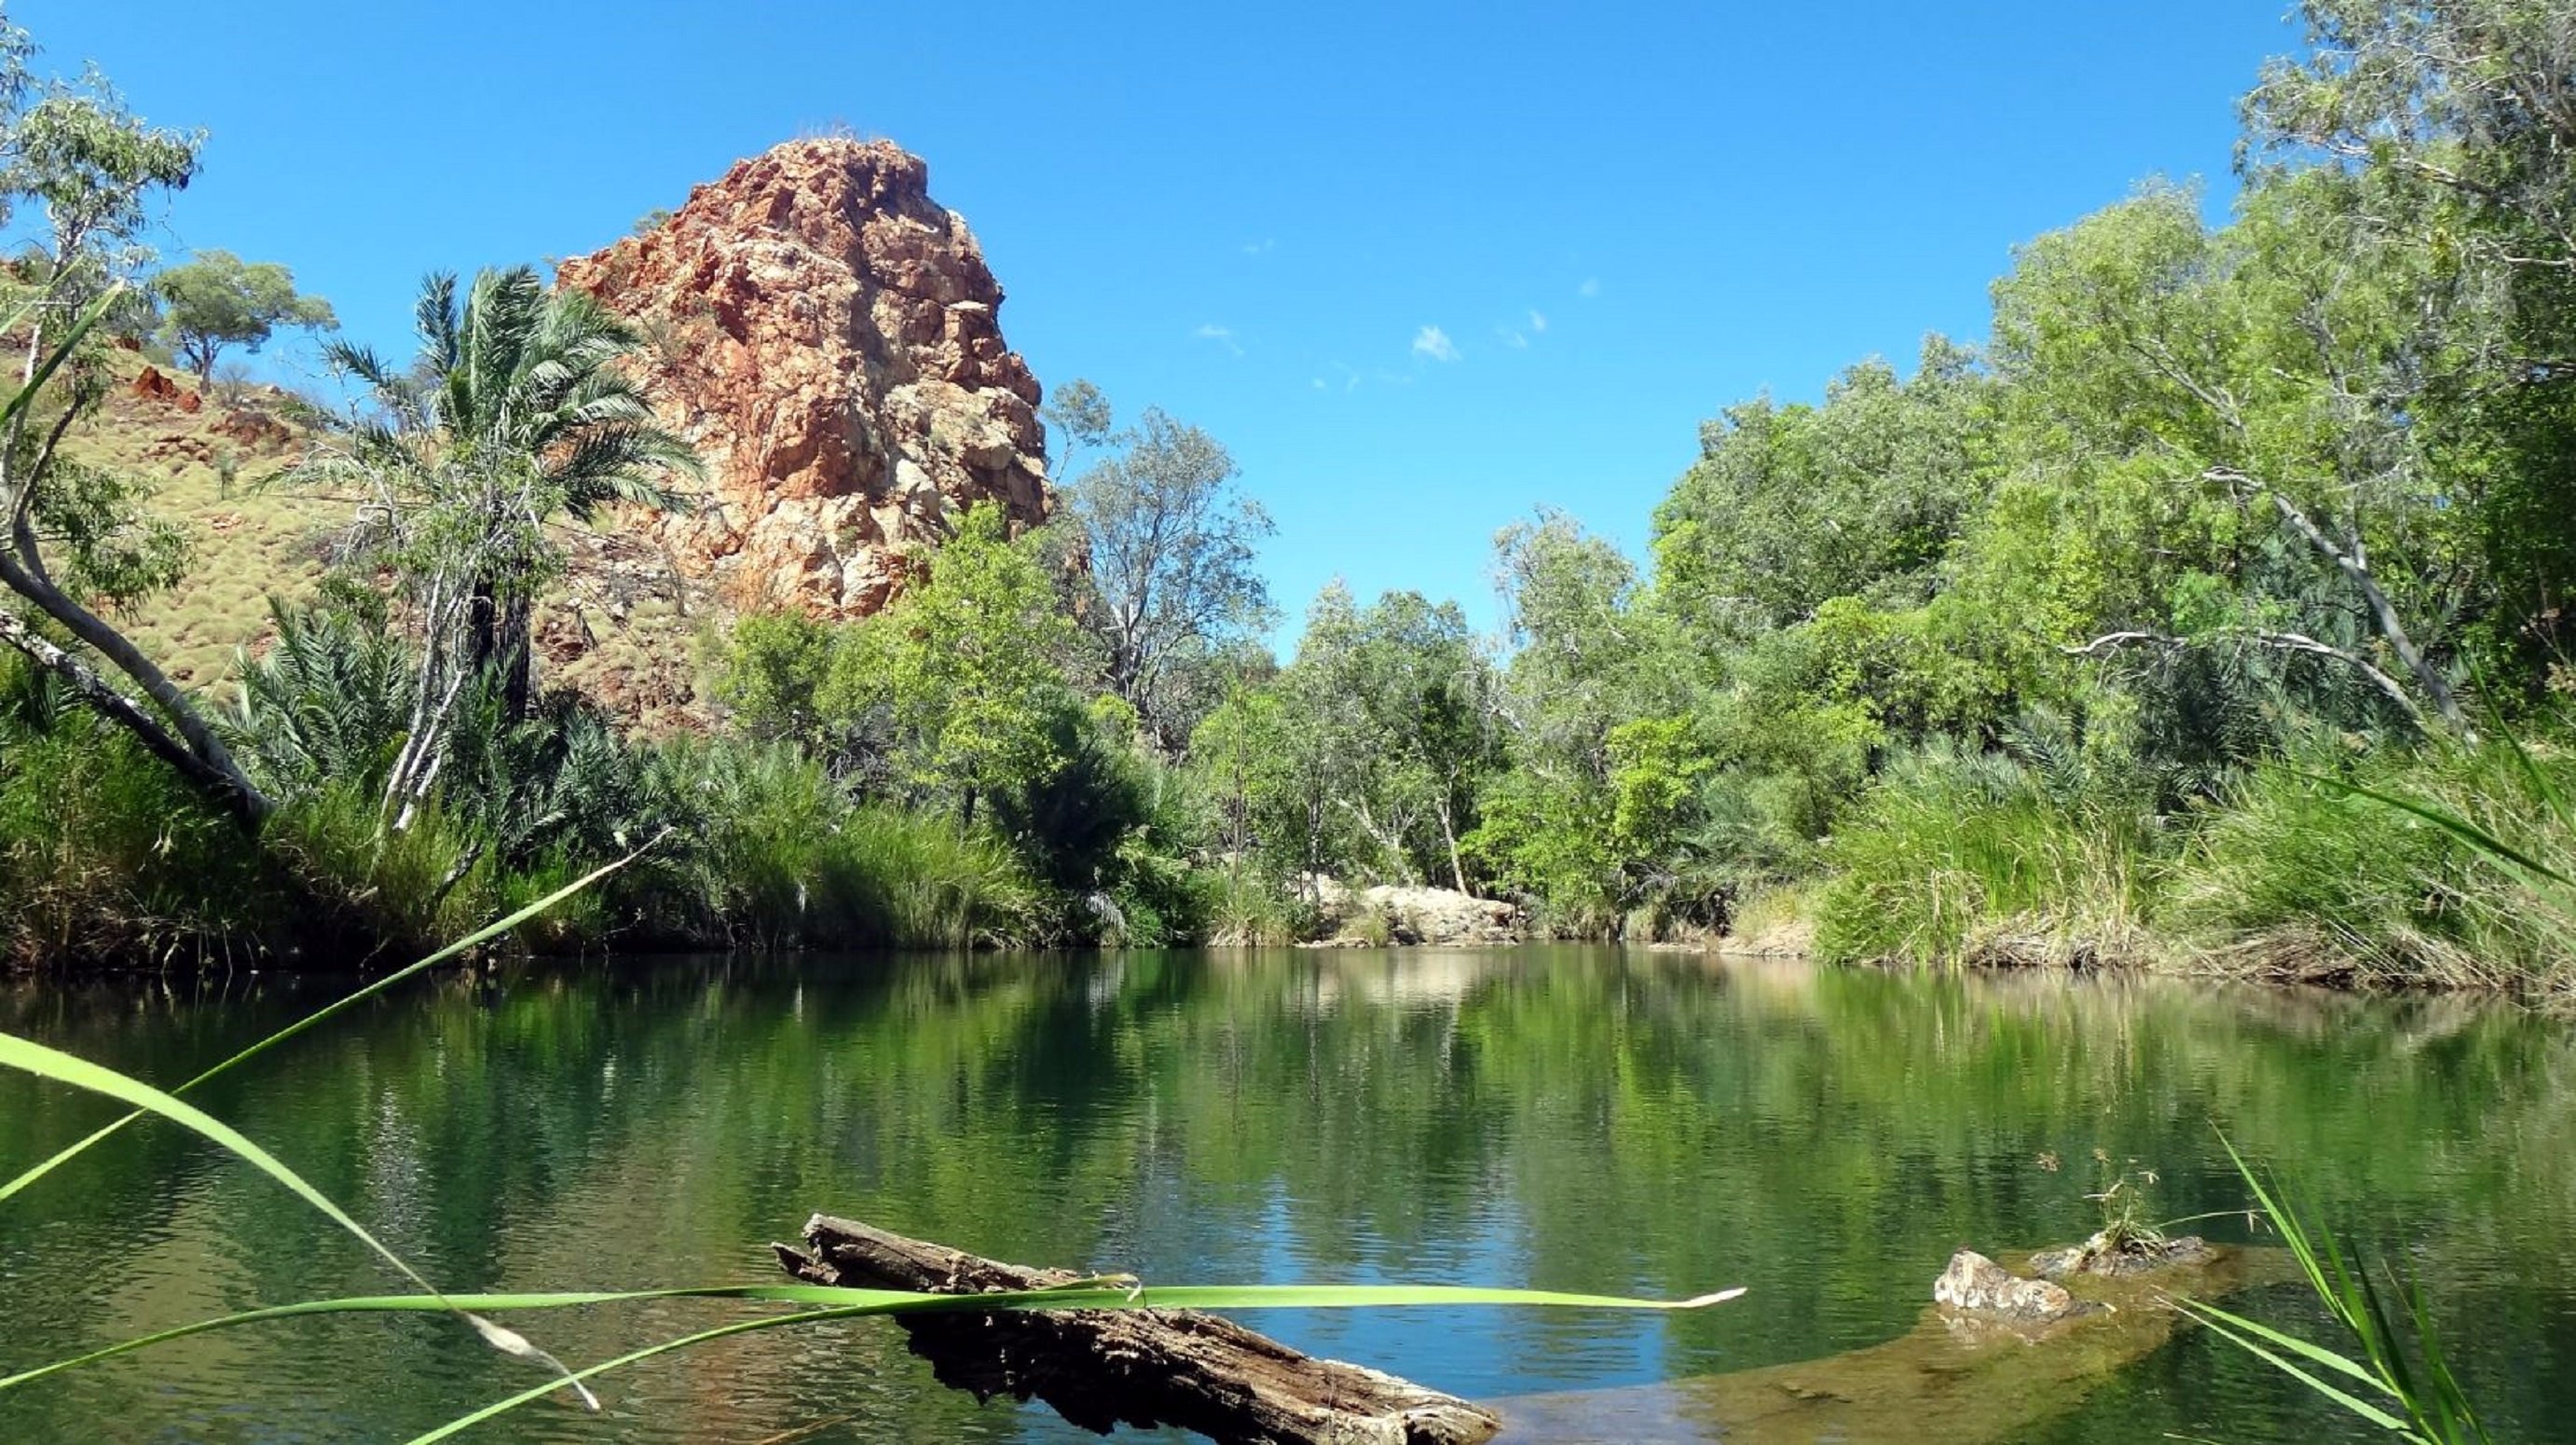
column 1563, row 1118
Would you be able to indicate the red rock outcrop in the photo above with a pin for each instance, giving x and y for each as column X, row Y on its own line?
column 826, row 335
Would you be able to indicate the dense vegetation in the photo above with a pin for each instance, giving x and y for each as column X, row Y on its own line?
column 2065, row 645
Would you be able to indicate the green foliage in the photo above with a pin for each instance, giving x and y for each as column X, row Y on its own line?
column 111, row 550
column 2301, row 877
column 216, row 301
column 105, row 855
column 1368, row 757
column 769, row 672
column 2030, row 653
column 1790, row 506
column 1961, row 855
column 967, row 669
column 327, row 702
column 516, row 412
column 767, row 849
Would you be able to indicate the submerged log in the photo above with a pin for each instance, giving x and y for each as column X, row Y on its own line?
column 1103, row 1368
column 1959, row 1376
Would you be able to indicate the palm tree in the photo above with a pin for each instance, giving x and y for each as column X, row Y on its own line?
column 515, row 414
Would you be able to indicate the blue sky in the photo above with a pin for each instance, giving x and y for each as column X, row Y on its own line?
column 1423, row 268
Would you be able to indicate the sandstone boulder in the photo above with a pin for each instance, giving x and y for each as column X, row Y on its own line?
column 2121, row 1259
column 1395, row 914
column 1977, row 1285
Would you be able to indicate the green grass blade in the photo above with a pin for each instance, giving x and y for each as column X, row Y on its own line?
column 1121, row 1296
column 2222, row 1322
column 2457, row 1417
column 2284, row 1223
column 2441, row 1412
column 408, row 1303
column 1080, row 1296
column 2381, row 1341
column 2340, row 1364
column 502, row 1407
column 2532, row 772
column 54, row 1064
column 329, row 1011
column 2451, row 823
column 60, row 353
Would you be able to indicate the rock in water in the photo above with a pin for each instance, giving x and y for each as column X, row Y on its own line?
column 2136, row 1256
column 827, row 336
column 1978, row 1285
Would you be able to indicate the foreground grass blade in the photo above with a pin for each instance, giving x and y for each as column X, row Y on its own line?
column 502, row 1407
column 1120, row 1296
column 2441, row 1414
column 37, row 1059
column 2340, row 1364
column 328, row 1011
column 2232, row 1327
column 2532, row 771
column 62, row 350
column 2451, row 823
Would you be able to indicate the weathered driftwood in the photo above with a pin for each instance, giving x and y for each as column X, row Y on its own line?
column 1102, row 1368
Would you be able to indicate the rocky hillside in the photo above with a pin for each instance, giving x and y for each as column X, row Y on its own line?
column 824, row 332
column 828, row 336
column 211, row 459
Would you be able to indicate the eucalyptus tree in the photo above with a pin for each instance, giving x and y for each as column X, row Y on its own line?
column 1419, row 707
column 1285, row 756
column 2447, row 133
column 216, row 301
column 516, row 413
column 1170, row 544
column 77, row 174
column 1792, row 505
column 2286, row 375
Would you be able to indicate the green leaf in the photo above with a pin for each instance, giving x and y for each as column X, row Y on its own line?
column 2221, row 1321
column 2338, row 1363
column 36, row 1058
column 2451, row 823
column 61, row 353
column 1118, row 1296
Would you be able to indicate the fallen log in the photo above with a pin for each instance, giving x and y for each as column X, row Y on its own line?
column 1103, row 1368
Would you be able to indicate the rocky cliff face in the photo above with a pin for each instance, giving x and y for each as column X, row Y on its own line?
column 828, row 337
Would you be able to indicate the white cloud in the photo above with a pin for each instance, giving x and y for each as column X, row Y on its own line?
column 1538, row 321
column 1590, row 288
column 1223, row 336
column 1318, row 383
column 1433, row 342
column 1513, row 339
column 1262, row 247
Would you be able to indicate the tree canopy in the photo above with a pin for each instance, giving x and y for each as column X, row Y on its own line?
column 216, row 301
